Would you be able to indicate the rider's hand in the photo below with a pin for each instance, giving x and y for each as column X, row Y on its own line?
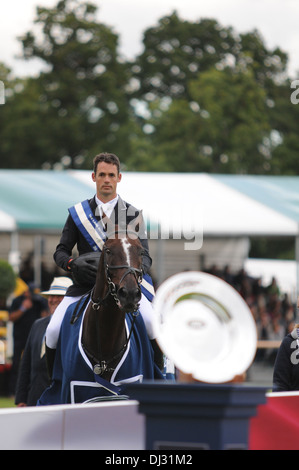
column 83, row 270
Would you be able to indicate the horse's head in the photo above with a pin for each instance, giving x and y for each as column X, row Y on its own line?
column 123, row 266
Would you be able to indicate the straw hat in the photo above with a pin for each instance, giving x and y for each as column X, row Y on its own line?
column 59, row 286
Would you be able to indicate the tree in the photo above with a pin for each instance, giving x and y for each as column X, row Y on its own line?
column 284, row 116
column 267, row 66
column 177, row 51
column 220, row 130
column 210, row 99
column 24, row 138
column 80, row 98
column 222, row 92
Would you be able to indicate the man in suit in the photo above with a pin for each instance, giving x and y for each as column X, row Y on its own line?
column 33, row 377
column 23, row 312
column 85, row 230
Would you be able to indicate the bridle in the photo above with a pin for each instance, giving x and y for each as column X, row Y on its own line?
column 112, row 287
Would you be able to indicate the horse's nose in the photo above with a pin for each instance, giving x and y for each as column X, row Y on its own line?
column 129, row 297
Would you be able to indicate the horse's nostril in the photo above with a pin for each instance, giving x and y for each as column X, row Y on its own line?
column 138, row 294
column 131, row 296
column 123, row 293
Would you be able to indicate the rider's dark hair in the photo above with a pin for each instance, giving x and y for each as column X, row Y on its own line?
column 107, row 158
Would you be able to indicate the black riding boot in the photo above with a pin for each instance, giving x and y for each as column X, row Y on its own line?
column 50, row 358
column 158, row 354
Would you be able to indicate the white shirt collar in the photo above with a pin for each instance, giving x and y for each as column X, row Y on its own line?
column 106, row 207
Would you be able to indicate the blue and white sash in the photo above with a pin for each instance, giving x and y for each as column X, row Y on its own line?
column 94, row 234
column 88, row 225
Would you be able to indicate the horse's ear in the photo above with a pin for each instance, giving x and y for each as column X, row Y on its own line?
column 136, row 224
column 108, row 224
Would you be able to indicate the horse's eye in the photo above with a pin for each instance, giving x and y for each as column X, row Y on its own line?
column 107, row 251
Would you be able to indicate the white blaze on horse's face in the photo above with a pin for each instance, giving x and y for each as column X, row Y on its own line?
column 126, row 246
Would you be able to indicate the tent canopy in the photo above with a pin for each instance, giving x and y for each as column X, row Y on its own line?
column 181, row 203
column 280, row 193
column 38, row 200
column 217, row 204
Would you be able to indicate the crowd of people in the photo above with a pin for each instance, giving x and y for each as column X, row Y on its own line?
column 273, row 310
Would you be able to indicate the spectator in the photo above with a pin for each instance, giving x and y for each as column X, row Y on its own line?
column 273, row 288
column 33, row 377
column 286, row 366
column 24, row 310
column 272, row 310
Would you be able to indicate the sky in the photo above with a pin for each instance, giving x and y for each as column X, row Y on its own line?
column 276, row 21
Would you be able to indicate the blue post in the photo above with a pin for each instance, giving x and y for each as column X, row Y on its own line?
column 197, row 416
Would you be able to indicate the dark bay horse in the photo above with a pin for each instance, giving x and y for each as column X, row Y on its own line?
column 103, row 343
column 116, row 292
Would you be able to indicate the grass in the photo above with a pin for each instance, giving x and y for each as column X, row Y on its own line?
column 6, row 402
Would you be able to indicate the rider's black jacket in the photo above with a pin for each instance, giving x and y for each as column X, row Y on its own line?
column 71, row 237
column 286, row 367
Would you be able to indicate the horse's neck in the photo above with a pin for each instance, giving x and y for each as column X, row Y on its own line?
column 101, row 288
column 104, row 331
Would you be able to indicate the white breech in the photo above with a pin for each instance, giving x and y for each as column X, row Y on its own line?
column 53, row 328
column 147, row 312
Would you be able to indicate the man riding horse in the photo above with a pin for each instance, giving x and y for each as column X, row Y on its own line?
column 103, row 344
column 84, row 228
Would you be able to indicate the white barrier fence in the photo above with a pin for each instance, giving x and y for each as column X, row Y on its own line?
column 97, row 426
